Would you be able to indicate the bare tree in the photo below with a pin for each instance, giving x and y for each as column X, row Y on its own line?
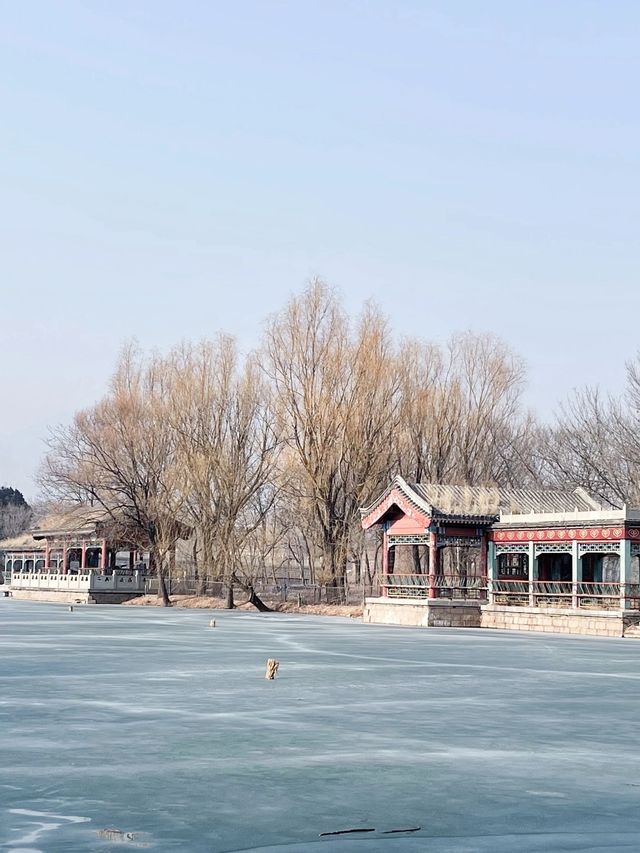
column 220, row 409
column 14, row 520
column 430, row 414
column 489, row 379
column 461, row 417
column 337, row 393
column 121, row 455
column 595, row 443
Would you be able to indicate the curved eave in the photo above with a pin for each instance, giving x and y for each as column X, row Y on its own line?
column 400, row 494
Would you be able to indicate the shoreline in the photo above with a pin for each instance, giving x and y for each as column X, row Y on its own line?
column 207, row 602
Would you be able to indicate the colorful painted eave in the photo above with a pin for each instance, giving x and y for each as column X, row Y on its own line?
column 399, row 494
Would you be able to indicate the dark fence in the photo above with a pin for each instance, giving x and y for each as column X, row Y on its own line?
column 283, row 591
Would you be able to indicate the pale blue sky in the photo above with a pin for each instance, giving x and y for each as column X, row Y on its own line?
column 173, row 168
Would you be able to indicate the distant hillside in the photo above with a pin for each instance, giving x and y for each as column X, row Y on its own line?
column 15, row 512
column 11, row 497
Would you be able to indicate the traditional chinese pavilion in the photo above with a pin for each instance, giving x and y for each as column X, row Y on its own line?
column 527, row 559
column 78, row 554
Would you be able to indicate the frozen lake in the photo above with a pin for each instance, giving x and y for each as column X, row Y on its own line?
column 150, row 722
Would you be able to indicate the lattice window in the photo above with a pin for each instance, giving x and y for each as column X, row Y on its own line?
column 416, row 539
column 459, row 541
column 512, row 549
column 598, row 548
column 513, row 566
column 635, row 549
column 553, row 548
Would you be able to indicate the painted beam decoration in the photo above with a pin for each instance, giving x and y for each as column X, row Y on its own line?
column 559, row 534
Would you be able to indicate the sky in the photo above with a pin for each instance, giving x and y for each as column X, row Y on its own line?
column 172, row 169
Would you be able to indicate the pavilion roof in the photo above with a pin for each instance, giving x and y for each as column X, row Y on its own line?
column 485, row 503
column 491, row 500
column 71, row 520
column 86, row 520
column 21, row 542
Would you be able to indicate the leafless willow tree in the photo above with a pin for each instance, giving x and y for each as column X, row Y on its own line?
column 490, row 379
column 122, row 455
column 337, row 398
column 227, row 447
column 430, row 414
column 595, row 442
column 461, row 419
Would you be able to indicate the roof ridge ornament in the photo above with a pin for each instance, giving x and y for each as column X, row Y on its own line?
column 584, row 494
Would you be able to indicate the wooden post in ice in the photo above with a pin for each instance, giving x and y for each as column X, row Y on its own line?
column 212, row 623
column 272, row 668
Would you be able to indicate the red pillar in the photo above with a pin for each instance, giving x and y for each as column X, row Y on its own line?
column 64, row 558
column 83, row 558
column 484, row 574
column 47, row 554
column 103, row 557
column 484, row 557
column 385, row 562
column 433, row 563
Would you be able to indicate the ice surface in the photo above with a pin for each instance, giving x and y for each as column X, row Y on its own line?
column 152, row 723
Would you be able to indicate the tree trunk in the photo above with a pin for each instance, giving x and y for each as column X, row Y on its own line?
column 377, row 561
column 257, row 602
column 367, row 563
column 162, row 588
column 202, row 573
column 331, row 557
column 207, row 566
column 310, row 558
column 199, row 577
column 229, row 603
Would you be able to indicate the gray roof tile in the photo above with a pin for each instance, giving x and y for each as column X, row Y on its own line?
column 491, row 501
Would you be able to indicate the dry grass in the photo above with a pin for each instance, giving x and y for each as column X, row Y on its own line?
column 319, row 609
column 202, row 602
column 193, row 602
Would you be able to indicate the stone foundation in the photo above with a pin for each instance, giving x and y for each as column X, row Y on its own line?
column 71, row 597
column 602, row 623
column 422, row 613
column 112, row 597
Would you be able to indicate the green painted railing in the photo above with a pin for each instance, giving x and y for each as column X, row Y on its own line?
column 441, row 586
